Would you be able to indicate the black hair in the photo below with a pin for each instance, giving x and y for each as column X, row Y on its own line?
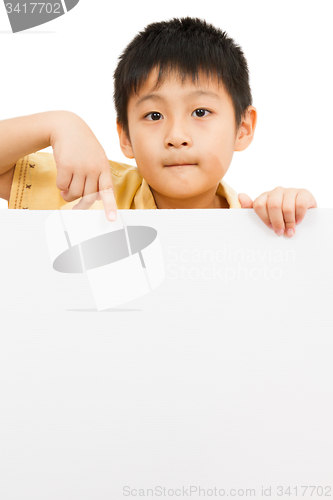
column 187, row 46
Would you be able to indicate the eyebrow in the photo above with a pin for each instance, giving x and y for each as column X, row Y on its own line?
column 195, row 93
column 149, row 97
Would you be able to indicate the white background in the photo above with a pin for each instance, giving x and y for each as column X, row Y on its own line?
column 69, row 63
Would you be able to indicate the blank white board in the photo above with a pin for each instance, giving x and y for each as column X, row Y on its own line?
column 218, row 379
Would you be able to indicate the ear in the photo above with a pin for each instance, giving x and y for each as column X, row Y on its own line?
column 246, row 129
column 124, row 141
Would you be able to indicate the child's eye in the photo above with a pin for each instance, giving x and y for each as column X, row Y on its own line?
column 154, row 115
column 200, row 112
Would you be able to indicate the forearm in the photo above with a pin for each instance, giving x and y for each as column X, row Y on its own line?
column 26, row 134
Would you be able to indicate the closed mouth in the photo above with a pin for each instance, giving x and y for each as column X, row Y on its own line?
column 181, row 165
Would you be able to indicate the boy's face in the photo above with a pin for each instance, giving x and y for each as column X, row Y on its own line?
column 182, row 136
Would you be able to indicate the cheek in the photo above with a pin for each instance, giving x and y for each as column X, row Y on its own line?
column 143, row 142
column 220, row 149
column 144, row 150
column 217, row 163
column 225, row 145
column 218, row 160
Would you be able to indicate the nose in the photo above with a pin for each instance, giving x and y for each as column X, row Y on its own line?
column 177, row 135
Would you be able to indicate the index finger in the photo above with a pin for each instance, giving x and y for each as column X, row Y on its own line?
column 106, row 192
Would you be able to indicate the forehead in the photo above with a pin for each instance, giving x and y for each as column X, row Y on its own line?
column 173, row 80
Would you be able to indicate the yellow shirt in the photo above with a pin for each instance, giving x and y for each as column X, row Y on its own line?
column 34, row 187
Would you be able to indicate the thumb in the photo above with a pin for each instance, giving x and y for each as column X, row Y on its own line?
column 245, row 200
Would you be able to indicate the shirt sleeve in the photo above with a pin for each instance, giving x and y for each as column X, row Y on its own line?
column 34, row 184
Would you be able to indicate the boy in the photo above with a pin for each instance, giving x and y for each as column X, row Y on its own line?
column 183, row 105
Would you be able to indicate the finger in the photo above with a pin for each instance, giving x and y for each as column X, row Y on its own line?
column 304, row 200
column 76, row 188
column 64, row 177
column 89, row 195
column 245, row 200
column 289, row 211
column 260, row 208
column 107, row 193
column 274, row 208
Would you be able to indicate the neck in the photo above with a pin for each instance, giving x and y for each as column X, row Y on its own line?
column 206, row 200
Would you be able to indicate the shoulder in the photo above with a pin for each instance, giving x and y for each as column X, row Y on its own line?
column 227, row 192
column 120, row 169
column 127, row 183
